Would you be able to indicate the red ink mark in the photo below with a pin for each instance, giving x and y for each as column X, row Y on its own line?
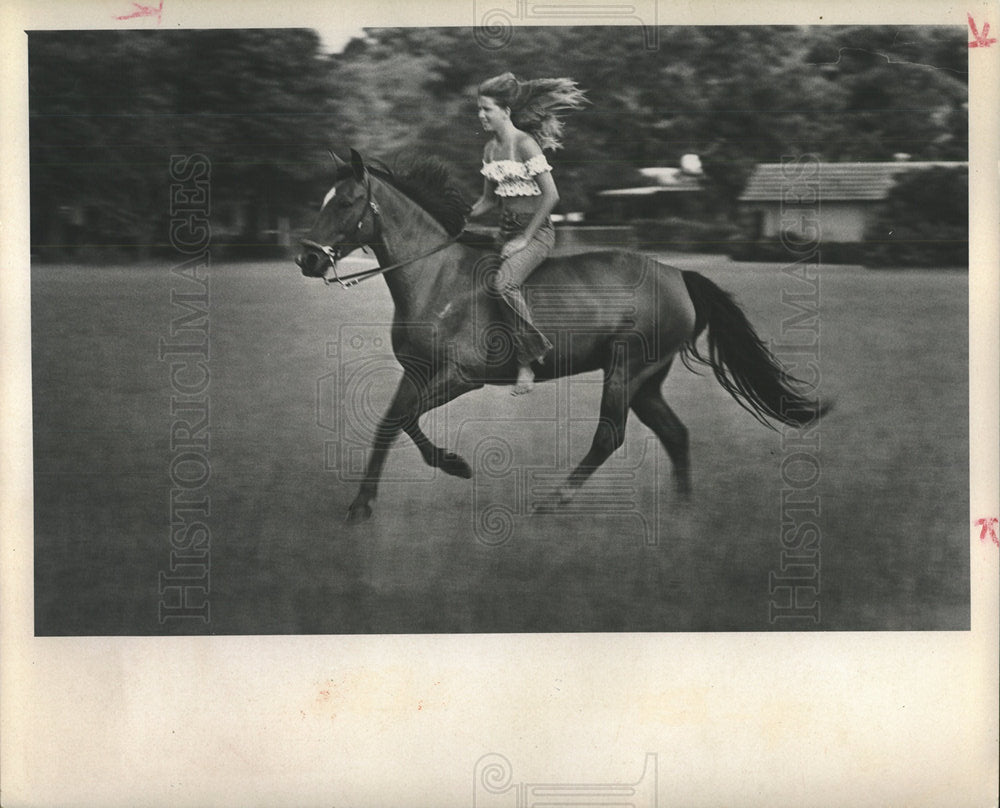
column 420, row 705
column 989, row 529
column 980, row 40
column 149, row 11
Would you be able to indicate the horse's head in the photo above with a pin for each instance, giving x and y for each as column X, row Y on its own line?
column 347, row 220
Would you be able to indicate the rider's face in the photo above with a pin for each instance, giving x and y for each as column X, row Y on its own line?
column 491, row 115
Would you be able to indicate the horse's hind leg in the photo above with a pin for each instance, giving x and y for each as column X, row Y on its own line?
column 610, row 432
column 654, row 412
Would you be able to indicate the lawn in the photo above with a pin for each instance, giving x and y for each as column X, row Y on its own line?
column 298, row 373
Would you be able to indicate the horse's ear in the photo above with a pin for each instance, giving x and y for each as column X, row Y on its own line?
column 358, row 165
column 337, row 162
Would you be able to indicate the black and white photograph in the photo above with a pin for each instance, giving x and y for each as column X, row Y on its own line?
column 614, row 335
column 521, row 324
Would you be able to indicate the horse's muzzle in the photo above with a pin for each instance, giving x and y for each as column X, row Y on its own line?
column 312, row 263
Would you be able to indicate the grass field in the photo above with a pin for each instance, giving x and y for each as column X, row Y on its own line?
column 298, row 370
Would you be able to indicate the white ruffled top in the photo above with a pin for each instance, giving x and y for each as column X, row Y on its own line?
column 514, row 178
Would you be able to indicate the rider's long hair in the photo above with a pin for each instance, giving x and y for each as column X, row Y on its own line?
column 535, row 105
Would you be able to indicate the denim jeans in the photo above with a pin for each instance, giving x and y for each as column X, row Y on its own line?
column 530, row 343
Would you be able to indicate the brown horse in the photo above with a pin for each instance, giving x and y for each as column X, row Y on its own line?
column 617, row 311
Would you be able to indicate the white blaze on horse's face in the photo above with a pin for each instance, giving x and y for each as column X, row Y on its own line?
column 341, row 218
column 329, row 195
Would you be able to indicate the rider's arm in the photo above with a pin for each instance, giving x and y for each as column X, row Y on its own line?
column 488, row 200
column 550, row 194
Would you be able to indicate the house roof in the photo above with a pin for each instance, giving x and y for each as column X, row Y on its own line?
column 771, row 182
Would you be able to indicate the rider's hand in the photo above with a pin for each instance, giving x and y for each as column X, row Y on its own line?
column 516, row 244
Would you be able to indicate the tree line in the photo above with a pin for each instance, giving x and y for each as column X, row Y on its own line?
column 109, row 108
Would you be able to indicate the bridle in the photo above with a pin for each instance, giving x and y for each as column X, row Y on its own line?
column 335, row 254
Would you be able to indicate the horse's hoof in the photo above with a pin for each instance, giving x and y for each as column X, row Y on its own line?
column 357, row 514
column 454, row 465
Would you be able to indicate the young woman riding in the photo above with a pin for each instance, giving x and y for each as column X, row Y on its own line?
column 522, row 117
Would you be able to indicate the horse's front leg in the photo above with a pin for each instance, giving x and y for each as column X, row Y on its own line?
column 410, row 401
column 434, row 455
column 403, row 402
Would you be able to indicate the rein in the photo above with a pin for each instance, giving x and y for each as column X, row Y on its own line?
column 333, row 253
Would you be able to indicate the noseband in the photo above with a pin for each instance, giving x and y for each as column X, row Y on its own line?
column 335, row 254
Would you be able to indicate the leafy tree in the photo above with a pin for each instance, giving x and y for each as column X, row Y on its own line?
column 109, row 108
column 924, row 221
column 735, row 96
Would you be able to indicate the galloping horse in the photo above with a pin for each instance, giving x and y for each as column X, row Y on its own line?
column 617, row 311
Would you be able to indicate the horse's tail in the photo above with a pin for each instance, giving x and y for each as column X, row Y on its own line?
column 741, row 362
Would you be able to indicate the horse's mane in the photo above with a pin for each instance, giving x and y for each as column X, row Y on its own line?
column 427, row 181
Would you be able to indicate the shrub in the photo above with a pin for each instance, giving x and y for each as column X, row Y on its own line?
column 772, row 250
column 924, row 221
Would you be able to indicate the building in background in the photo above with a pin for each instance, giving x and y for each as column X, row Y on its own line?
column 670, row 192
column 849, row 196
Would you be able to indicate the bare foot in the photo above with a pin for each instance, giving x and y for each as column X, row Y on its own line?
column 525, row 381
